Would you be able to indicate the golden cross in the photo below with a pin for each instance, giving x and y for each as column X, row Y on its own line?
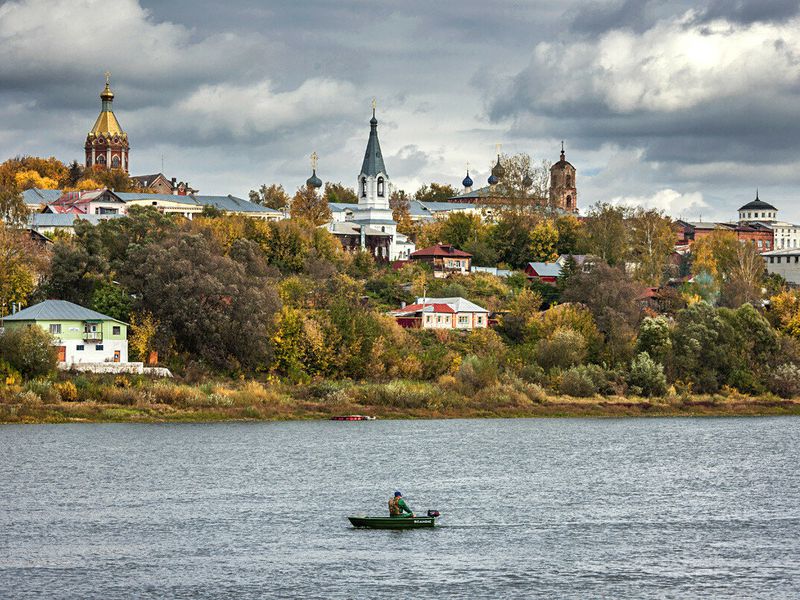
column 314, row 158
column 467, row 166
column 108, row 76
column 497, row 147
column 374, row 105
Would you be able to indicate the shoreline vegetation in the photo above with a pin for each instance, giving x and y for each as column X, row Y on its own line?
column 113, row 399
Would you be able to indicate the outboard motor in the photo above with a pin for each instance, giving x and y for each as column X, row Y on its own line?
column 433, row 513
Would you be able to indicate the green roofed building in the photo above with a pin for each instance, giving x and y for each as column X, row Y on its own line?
column 81, row 335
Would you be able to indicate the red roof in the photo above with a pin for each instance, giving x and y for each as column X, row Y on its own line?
column 437, row 308
column 441, row 250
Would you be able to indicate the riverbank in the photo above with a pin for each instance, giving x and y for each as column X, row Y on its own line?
column 123, row 399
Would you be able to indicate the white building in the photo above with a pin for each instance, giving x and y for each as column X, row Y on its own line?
column 369, row 225
column 785, row 263
column 442, row 313
column 785, row 235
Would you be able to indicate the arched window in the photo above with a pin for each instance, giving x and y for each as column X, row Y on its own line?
column 364, row 187
column 569, row 201
column 380, row 187
column 101, row 160
column 115, row 162
column 569, row 180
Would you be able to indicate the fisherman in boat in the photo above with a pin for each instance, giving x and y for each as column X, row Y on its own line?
column 398, row 507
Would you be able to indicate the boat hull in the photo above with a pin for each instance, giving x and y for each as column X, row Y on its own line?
column 393, row 522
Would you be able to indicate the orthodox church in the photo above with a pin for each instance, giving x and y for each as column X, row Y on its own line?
column 106, row 143
column 371, row 226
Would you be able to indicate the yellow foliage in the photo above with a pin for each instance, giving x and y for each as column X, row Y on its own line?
column 26, row 180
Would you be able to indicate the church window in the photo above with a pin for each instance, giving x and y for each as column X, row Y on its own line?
column 380, row 186
column 101, row 159
column 88, row 162
column 569, row 180
column 569, row 201
column 115, row 162
column 364, row 187
column 383, row 229
column 116, row 139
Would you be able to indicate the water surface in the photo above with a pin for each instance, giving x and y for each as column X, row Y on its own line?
column 567, row 508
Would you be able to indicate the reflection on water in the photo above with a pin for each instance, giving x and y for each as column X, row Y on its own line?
column 567, row 508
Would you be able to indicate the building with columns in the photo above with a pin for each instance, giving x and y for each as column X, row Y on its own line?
column 106, row 143
column 370, row 226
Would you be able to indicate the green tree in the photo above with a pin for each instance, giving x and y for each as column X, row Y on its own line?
column 607, row 233
column 435, row 192
column 339, row 193
column 647, row 375
column 652, row 240
column 13, row 211
column 655, row 338
column 273, row 196
column 510, row 239
column 570, row 235
column 22, row 262
column 113, row 300
column 459, row 229
column 29, row 350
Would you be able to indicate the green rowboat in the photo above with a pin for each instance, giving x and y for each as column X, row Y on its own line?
column 393, row 522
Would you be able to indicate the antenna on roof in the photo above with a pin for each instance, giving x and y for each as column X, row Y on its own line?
column 162, row 164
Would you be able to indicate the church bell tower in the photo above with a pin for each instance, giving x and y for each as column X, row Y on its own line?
column 563, row 190
column 106, row 144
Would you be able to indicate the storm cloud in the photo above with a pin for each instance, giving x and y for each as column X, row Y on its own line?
column 685, row 106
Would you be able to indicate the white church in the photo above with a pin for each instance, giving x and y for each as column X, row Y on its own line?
column 370, row 226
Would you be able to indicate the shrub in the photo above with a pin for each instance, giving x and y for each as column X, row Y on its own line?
column 564, row 348
column 68, row 391
column 29, row 350
column 647, row 375
column 577, row 382
column 476, row 373
column 43, row 389
column 785, row 381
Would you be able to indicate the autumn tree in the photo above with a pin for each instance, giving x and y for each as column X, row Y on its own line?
column 12, row 206
column 607, row 232
column 113, row 179
column 510, row 238
column 571, row 235
column 309, row 206
column 272, row 196
column 338, row 192
column 401, row 212
column 22, row 263
column 45, row 168
column 743, row 281
column 544, row 242
column 522, row 188
column 459, row 229
column 652, row 240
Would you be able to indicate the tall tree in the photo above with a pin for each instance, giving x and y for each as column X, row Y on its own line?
column 12, row 205
column 401, row 212
column 22, row 262
column 544, row 241
column 308, row 205
column 607, row 232
column 743, row 282
column 652, row 241
column 272, row 196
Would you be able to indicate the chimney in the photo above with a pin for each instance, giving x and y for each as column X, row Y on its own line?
column 402, row 304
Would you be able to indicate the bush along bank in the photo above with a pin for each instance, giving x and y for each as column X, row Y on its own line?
column 94, row 398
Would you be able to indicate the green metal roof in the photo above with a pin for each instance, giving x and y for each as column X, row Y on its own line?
column 59, row 310
column 373, row 158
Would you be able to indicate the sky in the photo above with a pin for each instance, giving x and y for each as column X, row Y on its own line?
column 686, row 107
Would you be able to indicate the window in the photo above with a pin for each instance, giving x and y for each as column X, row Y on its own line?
column 55, row 328
column 569, row 180
column 772, row 259
column 760, row 243
column 115, row 162
column 101, row 160
column 364, row 187
column 480, row 320
column 438, row 319
column 569, row 201
column 116, row 330
column 79, row 347
column 380, row 187
column 98, row 347
column 427, row 318
column 463, row 320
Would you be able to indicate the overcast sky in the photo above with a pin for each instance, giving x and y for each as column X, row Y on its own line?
column 683, row 106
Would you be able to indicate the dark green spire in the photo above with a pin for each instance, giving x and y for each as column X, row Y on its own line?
column 373, row 158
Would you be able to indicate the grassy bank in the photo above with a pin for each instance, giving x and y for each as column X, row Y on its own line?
column 137, row 399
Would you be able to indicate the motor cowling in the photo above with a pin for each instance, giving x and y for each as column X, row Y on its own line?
column 433, row 513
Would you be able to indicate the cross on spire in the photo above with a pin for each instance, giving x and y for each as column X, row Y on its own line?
column 314, row 159
column 108, row 77
column 374, row 106
column 497, row 147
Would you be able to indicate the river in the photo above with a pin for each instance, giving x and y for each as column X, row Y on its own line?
column 551, row 508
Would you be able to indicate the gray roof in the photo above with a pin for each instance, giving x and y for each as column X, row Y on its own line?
column 36, row 196
column 227, row 203
column 341, row 206
column 546, row 269
column 37, row 220
column 373, row 158
column 58, row 310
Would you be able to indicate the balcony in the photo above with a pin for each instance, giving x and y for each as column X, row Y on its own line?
column 93, row 336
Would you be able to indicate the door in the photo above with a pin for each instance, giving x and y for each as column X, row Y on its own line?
column 116, row 355
column 62, row 353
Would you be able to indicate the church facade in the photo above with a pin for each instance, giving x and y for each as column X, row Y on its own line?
column 106, row 143
column 370, row 226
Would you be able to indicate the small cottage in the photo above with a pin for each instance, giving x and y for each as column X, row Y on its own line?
column 442, row 313
column 444, row 258
column 80, row 334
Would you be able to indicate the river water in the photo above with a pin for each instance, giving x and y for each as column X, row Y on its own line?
column 558, row 508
